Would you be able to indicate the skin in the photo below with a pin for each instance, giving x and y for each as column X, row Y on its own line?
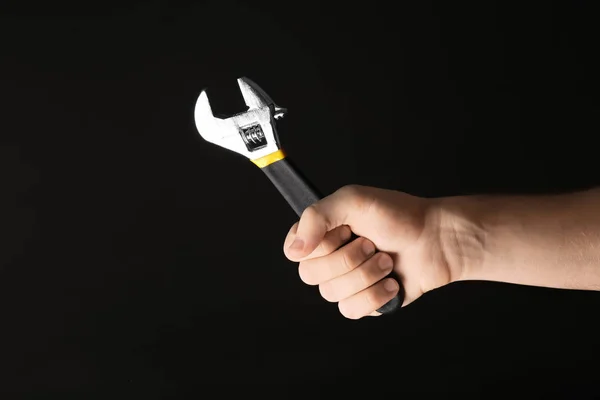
column 550, row 241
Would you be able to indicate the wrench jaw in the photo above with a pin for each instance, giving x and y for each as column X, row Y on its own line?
column 251, row 133
column 255, row 97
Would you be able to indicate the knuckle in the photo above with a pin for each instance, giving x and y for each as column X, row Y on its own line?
column 356, row 195
column 351, row 190
column 326, row 246
column 364, row 277
column 310, row 213
column 346, row 261
column 353, row 255
column 371, row 300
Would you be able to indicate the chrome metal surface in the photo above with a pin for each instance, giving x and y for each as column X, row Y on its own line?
column 251, row 133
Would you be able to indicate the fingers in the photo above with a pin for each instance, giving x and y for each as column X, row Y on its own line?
column 364, row 276
column 351, row 274
column 342, row 261
column 331, row 242
column 344, row 207
column 354, row 276
column 369, row 300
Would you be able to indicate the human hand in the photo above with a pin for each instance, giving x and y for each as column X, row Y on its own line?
column 397, row 232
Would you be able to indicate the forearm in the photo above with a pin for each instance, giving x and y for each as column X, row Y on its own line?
column 550, row 241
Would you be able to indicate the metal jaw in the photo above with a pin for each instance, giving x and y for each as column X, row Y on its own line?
column 251, row 133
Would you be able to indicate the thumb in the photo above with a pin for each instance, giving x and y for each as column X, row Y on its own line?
column 346, row 206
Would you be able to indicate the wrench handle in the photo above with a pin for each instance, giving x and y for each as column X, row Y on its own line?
column 300, row 194
column 292, row 185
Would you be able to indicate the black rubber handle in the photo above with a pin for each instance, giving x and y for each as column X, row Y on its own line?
column 294, row 187
column 300, row 194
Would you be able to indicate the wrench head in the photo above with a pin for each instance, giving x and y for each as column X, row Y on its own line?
column 251, row 133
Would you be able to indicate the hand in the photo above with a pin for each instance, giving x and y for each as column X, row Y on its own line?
column 396, row 232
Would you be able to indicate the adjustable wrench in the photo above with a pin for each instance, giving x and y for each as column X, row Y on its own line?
column 252, row 133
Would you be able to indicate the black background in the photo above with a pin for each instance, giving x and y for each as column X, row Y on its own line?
column 139, row 260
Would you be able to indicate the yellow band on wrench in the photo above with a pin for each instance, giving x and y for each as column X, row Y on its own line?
column 269, row 158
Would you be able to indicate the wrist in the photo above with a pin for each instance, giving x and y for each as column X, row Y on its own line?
column 462, row 236
column 537, row 240
column 511, row 238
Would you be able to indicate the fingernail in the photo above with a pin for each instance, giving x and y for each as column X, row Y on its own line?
column 385, row 262
column 390, row 285
column 297, row 244
column 346, row 233
column 368, row 247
